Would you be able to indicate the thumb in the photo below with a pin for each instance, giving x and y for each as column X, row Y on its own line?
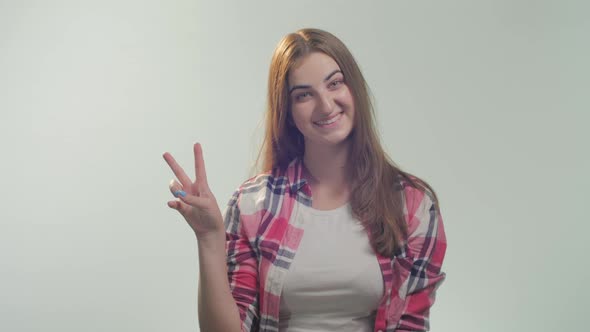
column 178, row 192
column 176, row 189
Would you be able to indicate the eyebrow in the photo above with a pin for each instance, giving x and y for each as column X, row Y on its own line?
column 293, row 88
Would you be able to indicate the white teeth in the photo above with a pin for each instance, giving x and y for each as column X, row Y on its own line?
column 332, row 120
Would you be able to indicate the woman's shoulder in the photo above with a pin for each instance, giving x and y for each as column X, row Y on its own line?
column 276, row 179
column 254, row 192
column 415, row 191
column 255, row 183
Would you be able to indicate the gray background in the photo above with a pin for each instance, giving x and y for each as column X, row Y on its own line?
column 486, row 100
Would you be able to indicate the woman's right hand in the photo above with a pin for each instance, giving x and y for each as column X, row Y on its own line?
column 195, row 201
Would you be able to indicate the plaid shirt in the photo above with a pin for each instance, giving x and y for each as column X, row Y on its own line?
column 262, row 237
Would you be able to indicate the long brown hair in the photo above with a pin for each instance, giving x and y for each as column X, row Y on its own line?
column 376, row 184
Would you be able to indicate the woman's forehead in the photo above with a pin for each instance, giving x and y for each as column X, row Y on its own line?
column 312, row 69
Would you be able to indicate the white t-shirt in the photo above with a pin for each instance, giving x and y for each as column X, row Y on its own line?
column 334, row 282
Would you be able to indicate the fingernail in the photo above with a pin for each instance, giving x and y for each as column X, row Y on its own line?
column 179, row 193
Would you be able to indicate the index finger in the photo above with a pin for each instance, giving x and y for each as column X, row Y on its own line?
column 178, row 171
column 200, row 167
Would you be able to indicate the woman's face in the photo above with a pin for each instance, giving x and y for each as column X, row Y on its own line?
column 322, row 106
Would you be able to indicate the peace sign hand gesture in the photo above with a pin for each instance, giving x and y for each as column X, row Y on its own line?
column 196, row 202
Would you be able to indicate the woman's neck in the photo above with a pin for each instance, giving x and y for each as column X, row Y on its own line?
column 327, row 165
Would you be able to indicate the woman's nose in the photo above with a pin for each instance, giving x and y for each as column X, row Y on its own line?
column 326, row 103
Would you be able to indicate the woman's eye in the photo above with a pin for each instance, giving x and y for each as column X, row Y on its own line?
column 301, row 96
column 335, row 83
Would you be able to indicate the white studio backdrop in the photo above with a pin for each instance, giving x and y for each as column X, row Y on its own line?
column 486, row 100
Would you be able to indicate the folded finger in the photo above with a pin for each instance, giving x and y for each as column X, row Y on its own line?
column 182, row 208
column 192, row 200
column 174, row 204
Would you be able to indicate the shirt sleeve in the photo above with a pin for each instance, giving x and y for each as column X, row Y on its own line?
column 426, row 249
column 242, row 266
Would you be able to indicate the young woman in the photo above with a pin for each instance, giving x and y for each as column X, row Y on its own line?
column 331, row 236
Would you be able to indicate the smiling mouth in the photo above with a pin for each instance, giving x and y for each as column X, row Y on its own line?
column 329, row 120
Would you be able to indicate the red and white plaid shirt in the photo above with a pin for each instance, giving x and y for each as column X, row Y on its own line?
column 262, row 240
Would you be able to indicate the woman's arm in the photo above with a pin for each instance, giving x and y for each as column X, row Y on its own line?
column 217, row 308
column 425, row 254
